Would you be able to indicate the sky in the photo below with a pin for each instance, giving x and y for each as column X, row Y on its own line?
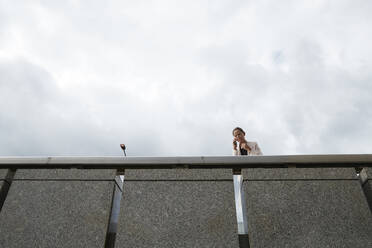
column 173, row 78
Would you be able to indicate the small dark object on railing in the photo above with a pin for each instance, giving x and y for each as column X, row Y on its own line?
column 122, row 146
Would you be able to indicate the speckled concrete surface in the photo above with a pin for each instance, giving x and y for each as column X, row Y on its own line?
column 299, row 173
column 179, row 174
column 73, row 174
column 307, row 214
column 177, row 214
column 56, row 214
column 369, row 173
column 3, row 174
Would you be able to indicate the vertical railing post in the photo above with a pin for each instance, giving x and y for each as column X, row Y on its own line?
column 115, row 210
column 365, row 184
column 240, row 208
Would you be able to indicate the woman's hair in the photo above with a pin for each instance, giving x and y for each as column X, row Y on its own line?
column 238, row 128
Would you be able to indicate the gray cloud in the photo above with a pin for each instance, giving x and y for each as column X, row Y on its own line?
column 169, row 78
column 37, row 119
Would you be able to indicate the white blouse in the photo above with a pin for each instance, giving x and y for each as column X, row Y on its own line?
column 255, row 149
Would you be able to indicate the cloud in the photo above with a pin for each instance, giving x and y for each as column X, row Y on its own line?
column 174, row 78
column 35, row 117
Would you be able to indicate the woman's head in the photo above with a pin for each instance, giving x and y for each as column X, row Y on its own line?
column 238, row 134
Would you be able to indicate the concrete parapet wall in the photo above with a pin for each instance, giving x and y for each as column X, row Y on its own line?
column 327, row 209
column 196, row 210
column 285, row 207
column 57, row 208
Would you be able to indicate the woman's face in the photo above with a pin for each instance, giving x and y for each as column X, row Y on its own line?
column 238, row 135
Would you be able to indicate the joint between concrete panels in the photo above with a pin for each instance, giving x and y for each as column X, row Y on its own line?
column 5, row 189
column 3, row 193
column 10, row 175
column 115, row 210
column 367, row 190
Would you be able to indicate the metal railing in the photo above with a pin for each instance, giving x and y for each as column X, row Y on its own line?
column 190, row 162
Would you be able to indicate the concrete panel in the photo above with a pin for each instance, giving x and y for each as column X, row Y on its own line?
column 179, row 174
column 3, row 174
column 177, row 214
column 307, row 214
column 299, row 173
column 369, row 173
column 72, row 174
column 56, row 214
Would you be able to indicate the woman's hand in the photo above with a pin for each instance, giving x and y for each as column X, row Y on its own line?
column 246, row 146
column 235, row 144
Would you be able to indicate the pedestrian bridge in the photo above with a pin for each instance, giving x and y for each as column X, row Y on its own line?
column 225, row 201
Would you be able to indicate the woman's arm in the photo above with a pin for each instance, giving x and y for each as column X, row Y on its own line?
column 259, row 152
column 256, row 150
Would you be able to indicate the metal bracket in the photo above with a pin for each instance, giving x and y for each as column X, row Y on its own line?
column 363, row 178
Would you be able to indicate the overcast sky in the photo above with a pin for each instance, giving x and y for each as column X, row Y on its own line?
column 174, row 78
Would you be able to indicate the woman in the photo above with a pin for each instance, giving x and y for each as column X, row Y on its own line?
column 245, row 147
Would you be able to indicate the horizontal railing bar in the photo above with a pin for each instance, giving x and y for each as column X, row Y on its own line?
column 191, row 162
